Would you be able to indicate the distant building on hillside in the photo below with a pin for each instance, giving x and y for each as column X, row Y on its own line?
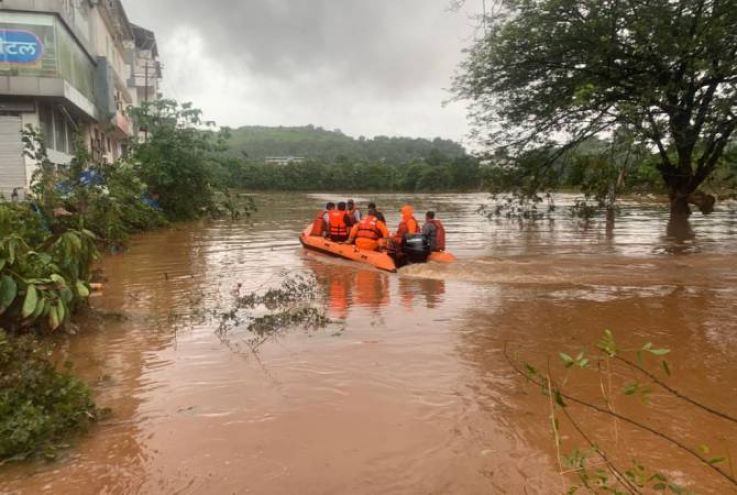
column 283, row 160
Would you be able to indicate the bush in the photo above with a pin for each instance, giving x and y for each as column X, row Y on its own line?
column 39, row 405
column 43, row 275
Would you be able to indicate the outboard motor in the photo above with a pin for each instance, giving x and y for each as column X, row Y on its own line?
column 416, row 247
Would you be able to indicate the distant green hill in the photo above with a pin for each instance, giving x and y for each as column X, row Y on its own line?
column 256, row 143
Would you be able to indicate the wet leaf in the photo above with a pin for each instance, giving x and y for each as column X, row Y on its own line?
column 559, row 399
column 29, row 304
column 666, row 368
column 567, row 360
column 66, row 295
column 532, row 371
column 58, row 280
column 39, row 308
column 61, row 311
column 8, row 292
column 53, row 318
column 82, row 290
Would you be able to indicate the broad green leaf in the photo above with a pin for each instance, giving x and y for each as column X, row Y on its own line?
column 42, row 301
column 82, row 290
column 58, row 280
column 29, row 303
column 8, row 292
column 61, row 310
column 53, row 318
column 659, row 352
column 67, row 295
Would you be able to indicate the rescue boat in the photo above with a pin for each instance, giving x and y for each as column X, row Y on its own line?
column 380, row 259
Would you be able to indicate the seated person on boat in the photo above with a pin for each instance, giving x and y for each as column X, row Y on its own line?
column 369, row 233
column 340, row 223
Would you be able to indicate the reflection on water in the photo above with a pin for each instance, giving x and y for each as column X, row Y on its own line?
column 414, row 395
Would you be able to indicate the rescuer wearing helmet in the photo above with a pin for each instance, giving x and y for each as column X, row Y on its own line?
column 407, row 225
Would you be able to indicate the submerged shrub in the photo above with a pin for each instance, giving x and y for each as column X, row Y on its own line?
column 39, row 405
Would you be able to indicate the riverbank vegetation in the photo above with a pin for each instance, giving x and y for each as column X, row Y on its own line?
column 549, row 75
column 436, row 173
column 49, row 243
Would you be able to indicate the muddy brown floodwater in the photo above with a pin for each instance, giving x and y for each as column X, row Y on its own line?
column 410, row 393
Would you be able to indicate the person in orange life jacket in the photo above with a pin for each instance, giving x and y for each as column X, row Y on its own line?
column 435, row 232
column 367, row 233
column 339, row 223
column 320, row 225
column 408, row 225
column 379, row 215
column 354, row 212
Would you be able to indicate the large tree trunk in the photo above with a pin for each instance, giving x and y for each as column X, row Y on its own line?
column 679, row 205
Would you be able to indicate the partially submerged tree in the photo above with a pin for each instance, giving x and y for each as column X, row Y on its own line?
column 565, row 70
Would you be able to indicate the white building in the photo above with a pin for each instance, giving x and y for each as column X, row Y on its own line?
column 66, row 67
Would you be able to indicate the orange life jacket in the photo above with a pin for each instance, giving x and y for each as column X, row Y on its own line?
column 318, row 226
column 338, row 227
column 439, row 234
column 408, row 227
column 368, row 229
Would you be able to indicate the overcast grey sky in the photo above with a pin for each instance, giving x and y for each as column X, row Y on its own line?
column 367, row 67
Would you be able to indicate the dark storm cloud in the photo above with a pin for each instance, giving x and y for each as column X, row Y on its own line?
column 384, row 49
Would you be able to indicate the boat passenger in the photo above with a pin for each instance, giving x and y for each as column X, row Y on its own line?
column 379, row 215
column 367, row 233
column 320, row 225
column 339, row 223
column 354, row 212
column 407, row 225
column 434, row 231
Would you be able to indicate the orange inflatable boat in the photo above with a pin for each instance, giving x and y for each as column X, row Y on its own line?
column 380, row 259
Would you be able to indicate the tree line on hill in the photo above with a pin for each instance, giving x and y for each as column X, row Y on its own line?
column 255, row 143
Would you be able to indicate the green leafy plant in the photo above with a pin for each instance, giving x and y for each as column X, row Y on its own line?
column 43, row 276
column 40, row 406
column 595, row 468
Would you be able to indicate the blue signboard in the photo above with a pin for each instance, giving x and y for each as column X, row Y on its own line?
column 19, row 47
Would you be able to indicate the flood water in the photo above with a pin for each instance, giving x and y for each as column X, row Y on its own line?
column 409, row 391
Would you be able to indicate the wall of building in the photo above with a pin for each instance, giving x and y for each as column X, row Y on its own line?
column 83, row 80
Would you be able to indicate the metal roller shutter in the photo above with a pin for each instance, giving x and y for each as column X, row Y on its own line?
column 12, row 164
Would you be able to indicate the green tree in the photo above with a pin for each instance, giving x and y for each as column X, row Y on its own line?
column 578, row 68
column 175, row 158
